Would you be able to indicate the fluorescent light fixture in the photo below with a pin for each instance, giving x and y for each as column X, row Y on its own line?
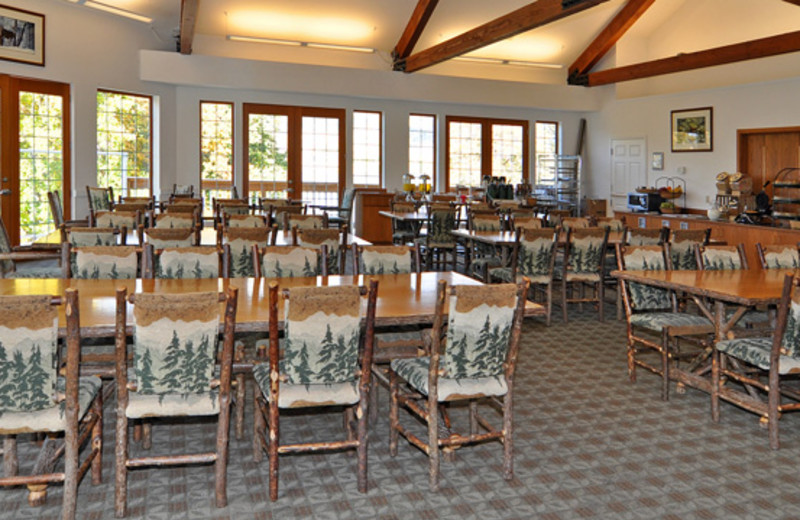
column 501, row 61
column 296, row 43
column 113, row 10
column 255, row 39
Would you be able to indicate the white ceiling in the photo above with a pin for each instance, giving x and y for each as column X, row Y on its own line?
column 378, row 24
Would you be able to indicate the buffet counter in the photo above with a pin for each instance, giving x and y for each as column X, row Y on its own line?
column 729, row 232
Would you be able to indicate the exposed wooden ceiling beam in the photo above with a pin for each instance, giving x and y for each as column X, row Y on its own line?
column 416, row 24
column 761, row 48
column 795, row 2
column 189, row 10
column 524, row 19
column 609, row 36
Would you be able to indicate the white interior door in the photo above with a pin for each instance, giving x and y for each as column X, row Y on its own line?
column 628, row 169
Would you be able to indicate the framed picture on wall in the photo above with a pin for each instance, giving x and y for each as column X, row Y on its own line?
column 692, row 130
column 657, row 161
column 22, row 37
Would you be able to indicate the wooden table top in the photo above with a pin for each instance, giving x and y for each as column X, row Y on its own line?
column 411, row 216
column 208, row 237
column 402, row 299
column 506, row 238
column 742, row 287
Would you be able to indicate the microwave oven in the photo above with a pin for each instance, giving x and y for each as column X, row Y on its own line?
column 642, row 202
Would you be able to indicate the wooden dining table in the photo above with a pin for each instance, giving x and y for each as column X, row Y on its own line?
column 715, row 293
column 403, row 299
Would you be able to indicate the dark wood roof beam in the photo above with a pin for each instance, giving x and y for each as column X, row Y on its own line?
column 523, row 19
column 416, row 24
column 189, row 10
column 761, row 48
column 607, row 38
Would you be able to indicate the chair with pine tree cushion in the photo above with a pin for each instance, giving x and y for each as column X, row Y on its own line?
column 245, row 221
column 327, row 352
column 174, row 376
column 279, row 214
column 127, row 220
column 175, row 221
column 182, row 190
column 101, row 262
column 533, row 257
column 613, row 224
column 334, row 239
column 340, row 215
column 681, row 248
column 765, row 364
column 35, row 398
column 529, row 222
column 394, row 259
column 482, row 256
column 290, row 261
column 100, row 199
column 171, row 237
column 238, row 245
column 25, row 262
column 182, row 262
column 584, row 261
column 568, row 223
column 476, row 362
column 778, row 256
column 403, row 231
column 94, row 236
column 439, row 241
column 645, row 237
column 57, row 212
column 654, row 323
column 304, row 221
column 715, row 257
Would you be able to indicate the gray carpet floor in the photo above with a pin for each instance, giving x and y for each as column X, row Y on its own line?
column 588, row 444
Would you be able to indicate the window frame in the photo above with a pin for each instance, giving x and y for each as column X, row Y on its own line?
column 123, row 191
column 381, row 175
column 486, row 144
column 535, row 142
column 434, row 173
column 200, row 144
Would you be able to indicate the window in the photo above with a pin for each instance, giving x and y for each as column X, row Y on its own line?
column 422, row 146
column 216, row 152
column 545, row 145
column 479, row 147
column 367, row 138
column 124, row 142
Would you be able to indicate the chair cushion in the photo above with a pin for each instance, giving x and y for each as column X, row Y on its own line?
column 51, row 419
column 303, row 396
column 658, row 320
column 751, row 317
column 171, row 405
column 415, row 371
column 756, row 351
column 36, row 272
column 504, row 275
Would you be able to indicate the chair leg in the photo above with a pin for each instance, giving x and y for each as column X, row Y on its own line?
column 373, row 400
column 433, row 444
column 238, row 420
column 508, row 430
column 564, row 299
column 97, row 441
column 272, row 450
column 664, row 366
column 221, row 462
column 549, row 302
column 71, row 468
column 393, row 412
column 600, row 296
column 773, row 408
column 348, row 417
column 259, row 427
column 10, row 461
column 121, row 452
column 363, row 445
column 715, row 381
column 473, row 417
column 147, row 435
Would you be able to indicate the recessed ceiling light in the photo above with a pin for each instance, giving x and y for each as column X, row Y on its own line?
column 113, row 10
column 297, row 43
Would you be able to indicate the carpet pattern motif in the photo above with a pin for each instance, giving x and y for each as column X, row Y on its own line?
column 588, row 444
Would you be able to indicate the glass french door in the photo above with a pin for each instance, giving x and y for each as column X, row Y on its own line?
column 294, row 152
column 34, row 155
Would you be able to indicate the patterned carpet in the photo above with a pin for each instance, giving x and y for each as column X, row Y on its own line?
column 588, row 444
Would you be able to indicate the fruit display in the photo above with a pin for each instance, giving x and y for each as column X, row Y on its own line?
column 670, row 192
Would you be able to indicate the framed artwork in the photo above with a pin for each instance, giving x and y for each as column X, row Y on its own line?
column 657, row 161
column 22, row 36
column 692, row 130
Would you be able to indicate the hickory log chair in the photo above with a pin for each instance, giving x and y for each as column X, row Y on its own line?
column 94, row 236
column 300, row 221
column 479, row 256
column 334, row 239
column 654, row 324
column 13, row 259
column 237, row 244
column 340, row 215
column 100, row 199
column 57, row 212
column 327, row 352
column 438, row 242
column 476, row 364
column 681, row 247
column 584, row 262
column 533, row 256
column 763, row 363
column 404, row 232
column 178, row 263
column 645, row 237
column 175, row 352
column 36, row 398
column 171, row 237
column 778, row 256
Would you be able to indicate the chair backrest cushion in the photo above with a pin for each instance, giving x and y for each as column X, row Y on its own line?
column 98, row 198
column 105, row 262
column 479, row 330
column 306, row 221
column 82, row 237
column 289, row 262
column 442, row 222
column 717, row 258
column 173, row 220
column 170, row 237
column 536, row 250
column 323, row 330
column 486, row 223
column 781, row 257
column 246, row 221
column 586, row 249
column 644, row 297
column 28, row 356
column 175, row 341
column 316, row 238
column 385, row 260
column 117, row 219
column 188, row 262
column 241, row 241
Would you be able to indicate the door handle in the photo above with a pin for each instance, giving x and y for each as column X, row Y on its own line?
column 5, row 192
